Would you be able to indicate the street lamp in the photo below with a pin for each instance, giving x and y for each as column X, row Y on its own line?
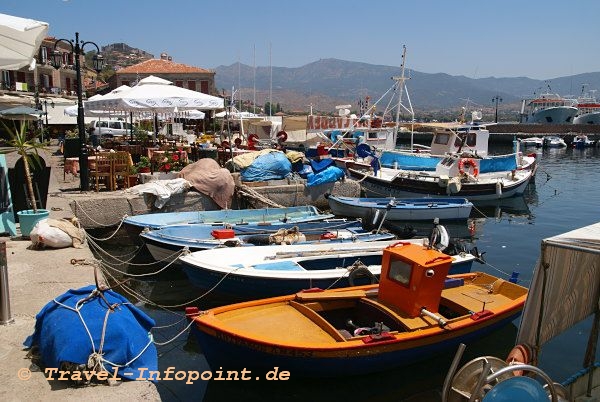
column 46, row 115
column 495, row 100
column 77, row 52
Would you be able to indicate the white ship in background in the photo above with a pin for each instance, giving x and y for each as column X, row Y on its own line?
column 549, row 108
column 588, row 108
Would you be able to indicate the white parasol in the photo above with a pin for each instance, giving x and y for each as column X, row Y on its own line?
column 154, row 94
column 20, row 39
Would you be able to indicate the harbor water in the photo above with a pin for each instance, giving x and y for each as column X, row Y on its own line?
column 563, row 197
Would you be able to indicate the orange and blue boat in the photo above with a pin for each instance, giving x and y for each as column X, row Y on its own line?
column 416, row 311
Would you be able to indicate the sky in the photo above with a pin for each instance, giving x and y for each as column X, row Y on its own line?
column 540, row 39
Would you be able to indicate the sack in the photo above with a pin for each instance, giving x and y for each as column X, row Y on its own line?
column 43, row 234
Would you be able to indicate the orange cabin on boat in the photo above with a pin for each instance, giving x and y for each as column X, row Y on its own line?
column 414, row 279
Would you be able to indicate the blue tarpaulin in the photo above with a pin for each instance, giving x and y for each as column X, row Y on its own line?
column 497, row 164
column 329, row 175
column 408, row 161
column 67, row 326
column 271, row 166
column 320, row 165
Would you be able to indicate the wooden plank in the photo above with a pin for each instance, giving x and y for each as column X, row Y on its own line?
column 316, row 296
column 320, row 321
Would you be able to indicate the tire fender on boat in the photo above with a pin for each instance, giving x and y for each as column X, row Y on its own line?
column 358, row 272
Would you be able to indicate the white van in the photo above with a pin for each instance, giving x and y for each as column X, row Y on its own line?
column 109, row 128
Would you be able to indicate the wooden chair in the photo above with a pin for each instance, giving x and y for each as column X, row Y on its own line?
column 102, row 169
column 121, row 167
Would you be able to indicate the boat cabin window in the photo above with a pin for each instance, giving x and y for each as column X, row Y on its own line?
column 400, row 272
column 442, row 138
column 471, row 139
column 372, row 135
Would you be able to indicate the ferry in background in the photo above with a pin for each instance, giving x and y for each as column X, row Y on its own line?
column 588, row 109
column 549, row 108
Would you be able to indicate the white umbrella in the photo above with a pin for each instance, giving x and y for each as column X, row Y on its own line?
column 20, row 39
column 154, row 94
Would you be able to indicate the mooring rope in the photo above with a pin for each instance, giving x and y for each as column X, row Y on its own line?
column 92, row 219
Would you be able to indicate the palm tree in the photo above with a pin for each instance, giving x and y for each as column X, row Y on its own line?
column 29, row 149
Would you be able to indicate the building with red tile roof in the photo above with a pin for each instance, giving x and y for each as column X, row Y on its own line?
column 181, row 75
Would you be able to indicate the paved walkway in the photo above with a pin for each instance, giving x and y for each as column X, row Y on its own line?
column 35, row 277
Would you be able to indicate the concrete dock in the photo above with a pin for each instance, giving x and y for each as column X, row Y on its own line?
column 35, row 277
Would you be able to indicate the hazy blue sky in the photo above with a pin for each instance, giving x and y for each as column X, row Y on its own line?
column 540, row 39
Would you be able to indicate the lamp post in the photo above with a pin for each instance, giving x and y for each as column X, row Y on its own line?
column 77, row 52
column 495, row 100
column 46, row 116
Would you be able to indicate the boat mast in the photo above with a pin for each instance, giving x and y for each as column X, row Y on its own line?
column 401, row 82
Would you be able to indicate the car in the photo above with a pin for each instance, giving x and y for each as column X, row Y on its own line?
column 109, row 128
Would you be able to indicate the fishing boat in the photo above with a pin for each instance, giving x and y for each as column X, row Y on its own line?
column 135, row 224
column 406, row 209
column 167, row 243
column 563, row 298
column 265, row 271
column 455, row 176
column 415, row 312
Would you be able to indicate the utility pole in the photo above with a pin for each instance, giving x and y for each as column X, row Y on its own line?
column 495, row 100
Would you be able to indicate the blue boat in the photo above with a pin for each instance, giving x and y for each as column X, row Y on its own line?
column 135, row 224
column 406, row 209
column 167, row 243
column 266, row 271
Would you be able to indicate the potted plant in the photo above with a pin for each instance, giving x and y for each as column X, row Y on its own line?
column 143, row 166
column 132, row 177
column 28, row 148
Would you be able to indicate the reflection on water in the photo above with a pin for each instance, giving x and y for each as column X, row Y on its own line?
column 508, row 231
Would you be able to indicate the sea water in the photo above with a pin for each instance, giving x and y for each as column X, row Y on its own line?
column 564, row 196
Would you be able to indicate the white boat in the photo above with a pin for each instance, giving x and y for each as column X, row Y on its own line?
column 537, row 142
column 563, row 296
column 454, row 176
column 265, row 271
column 554, row 141
column 549, row 108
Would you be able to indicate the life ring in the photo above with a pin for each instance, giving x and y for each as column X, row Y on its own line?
column 361, row 271
column 468, row 162
column 520, row 354
column 281, row 136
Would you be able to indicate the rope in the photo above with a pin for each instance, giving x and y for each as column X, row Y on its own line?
column 112, row 235
column 91, row 219
column 96, row 358
column 248, row 192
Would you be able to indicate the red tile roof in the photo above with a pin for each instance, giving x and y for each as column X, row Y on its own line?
column 161, row 66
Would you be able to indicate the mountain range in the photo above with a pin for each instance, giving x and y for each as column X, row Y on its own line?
column 329, row 82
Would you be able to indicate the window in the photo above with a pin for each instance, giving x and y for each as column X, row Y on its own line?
column 179, row 83
column 471, row 139
column 400, row 272
column 442, row 138
column 204, row 87
column 191, row 85
column 102, row 124
column 115, row 124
